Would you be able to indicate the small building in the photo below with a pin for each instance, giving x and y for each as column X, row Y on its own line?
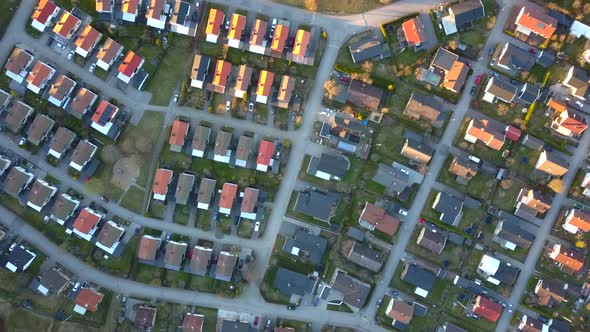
column 39, row 129
column 463, row 168
column 131, row 64
column 420, row 277
column 192, row 322
column 220, row 76
column 148, row 248
column 286, row 91
column 498, row 89
column 39, row 76
column 52, row 282
column 552, row 164
column 82, row 155
column 244, row 150
column 174, row 253
column 108, row 53
column 243, row 81
column 365, row 256
column 17, row 115
column 60, row 91
column 486, row 308
column 67, row 25
column 417, row 151
column 145, row 318
column 510, row 236
column 104, row 117
column 364, row 95
column 533, row 201
column 200, row 141
column 224, row 269
column 184, row 188
column 449, row 207
column 178, row 135
column 265, row 81
column 214, row 23
column 45, row 12
column 200, row 258
column 17, row 180
column 375, row 218
column 64, row 208
column 484, row 131
column 577, row 81
column 497, row 272
column 87, row 300
column 82, row 103
column 307, row 246
column 162, row 180
column 258, row 37
column 317, row 204
column 109, row 237
column 181, row 18
column 221, row 152
column 425, row 108
column 130, row 9
column 529, row 93
column 533, row 20
column 87, row 41
column 249, row 207
column 328, row 167
column 400, row 312
column 550, row 292
column 264, row 159
column 18, row 64
column 292, row 283
column 432, row 239
column 61, row 142
column 229, row 193
column 86, row 223
column 576, row 220
column 199, row 70
column 40, row 194
column 236, row 29
column 156, row 14
column 279, row 38
column 17, row 258
column 568, row 259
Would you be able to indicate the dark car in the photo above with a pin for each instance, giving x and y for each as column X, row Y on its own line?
column 491, row 51
column 291, row 307
column 473, row 89
column 532, row 51
column 104, row 198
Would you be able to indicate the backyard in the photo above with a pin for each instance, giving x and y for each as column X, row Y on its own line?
column 340, row 7
column 7, row 10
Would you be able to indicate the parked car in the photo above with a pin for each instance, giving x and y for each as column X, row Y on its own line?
column 176, row 97
column 227, row 25
column 70, row 55
column 379, row 302
column 514, row 81
column 291, row 307
column 227, row 106
column 257, row 226
column 493, row 73
column 579, row 103
column 403, row 212
column 491, row 51
column 104, row 198
column 251, row 107
column 478, row 80
column 76, row 287
column 344, row 79
column 493, row 62
column 92, row 67
column 473, row 90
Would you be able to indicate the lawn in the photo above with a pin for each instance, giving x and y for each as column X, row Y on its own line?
column 133, row 199
column 452, row 254
column 7, row 10
column 481, row 186
column 341, row 7
column 297, row 325
column 156, row 209
column 182, row 214
column 148, row 274
column 506, row 195
column 176, row 161
column 176, row 279
column 246, row 228
column 203, row 220
column 119, row 266
column 210, row 318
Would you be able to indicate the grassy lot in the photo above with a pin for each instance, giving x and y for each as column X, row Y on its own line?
column 133, row 199
column 342, row 308
column 210, row 318
column 7, row 10
column 297, row 325
column 202, row 284
column 338, row 7
column 482, row 185
column 120, row 266
column 156, row 209
column 203, row 220
column 182, row 214
column 506, row 194
column 176, row 279
column 148, row 274
column 176, row 161
column 246, row 228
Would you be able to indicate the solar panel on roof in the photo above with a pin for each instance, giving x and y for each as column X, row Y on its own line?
column 106, row 115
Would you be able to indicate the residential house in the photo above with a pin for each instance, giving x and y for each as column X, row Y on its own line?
column 510, row 235
column 130, row 65
column 181, row 18
column 39, row 76
column 52, row 281
column 87, row 300
column 39, row 129
column 87, row 41
column 17, row 180
column 184, row 188
column 532, row 201
column 44, row 13
column 264, row 159
column 364, row 95
column 5, row 164
column 103, row 117
column 40, row 194
column 463, row 14
column 265, row 80
column 533, row 143
column 568, row 259
column 375, row 218
column 5, row 99
column 515, row 58
column 576, row 220
column 206, row 191
column 417, row 151
column 17, row 115
column 396, row 178
column 258, row 37
column 200, row 141
column 145, row 318
column 463, row 168
column 162, row 181
column 529, row 93
column 104, row 6
column 224, row 269
column 432, row 239
column 67, row 25
column 486, row 308
column 236, row 30
column 419, row 277
column 279, row 38
column 316, row 204
column 59, row 92
column 244, row 150
column 82, row 102
column 108, row 53
column 307, row 246
column 497, row 89
column 82, row 155
column 219, row 81
column 109, row 237
column 412, row 33
column 532, row 20
column 354, row 292
column 243, row 81
column 286, row 91
column 556, row 105
column 586, row 53
column 200, row 258
column 368, row 45
column 577, row 81
column 365, row 256
column 569, row 123
column 248, row 210
column 148, row 248
column 221, row 151
column 328, row 166
column 301, row 47
column 425, row 108
column 18, row 64
column 546, row 58
column 178, row 135
column 550, row 292
column 86, row 223
column 552, row 164
column 64, row 208
column 234, row 326
column 530, row 324
column 496, row 272
column 292, row 283
column 484, row 130
column 156, row 14
column 130, row 9
column 18, row 258
column 400, row 313
column 452, row 71
column 214, row 23
column 229, row 192
column 174, row 254
column 449, row 208
column 199, row 70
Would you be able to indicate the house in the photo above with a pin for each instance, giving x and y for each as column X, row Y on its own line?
column 130, row 9
column 103, row 117
column 279, row 38
column 365, row 256
column 206, row 191
column 82, row 155
column 174, row 254
column 400, row 312
column 162, row 181
column 396, row 178
column 258, row 37
column 52, row 281
column 87, row 300
column 496, row 272
column 224, row 269
column 432, row 239
column 417, row 151
column 5, row 164
column 236, row 30
column 39, row 76
column 18, row 258
column 64, row 208
column 533, row 201
column 108, row 53
column 532, row 19
column 192, row 322
column 148, row 248
column 44, row 13
column 464, row 13
column 244, row 150
column 307, row 246
column 248, row 208
column 130, row 65
column 17, row 180
column 375, row 218
column 214, row 23
column 67, row 25
column 316, row 204
column 569, row 123
column 184, row 188
column 243, row 81
column 354, row 292
column 301, row 46
column 420, row 277
column 552, row 164
column 181, row 19
column 577, row 81
column 178, row 135
column 16, row 116
column 368, row 46
column 292, row 283
column 104, row 6
column 265, row 80
column 200, row 141
column 486, row 308
column 545, row 58
column 364, row 95
column 39, row 129
column 156, row 14
column 199, row 70
column 449, row 207
column 513, row 57
column 40, row 194
column 423, row 107
column 220, row 76
column 5, row 99
column 234, row 326
column 453, row 72
column 576, row 220
column 586, row 184
column 86, row 223
column 229, row 192
column 18, row 64
column 109, row 237
column 286, row 91
column 87, row 41
column 568, row 259
column 529, row 93
column 264, row 159
column 221, row 152
column 484, row 130
column 463, row 168
column 145, row 318
column 59, row 92
column 530, row 324
column 550, row 292
column 200, row 258
column 586, row 53
column 328, row 166
column 412, row 33
column 510, row 236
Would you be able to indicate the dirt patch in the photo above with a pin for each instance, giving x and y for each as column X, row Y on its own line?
column 110, row 154
column 126, row 171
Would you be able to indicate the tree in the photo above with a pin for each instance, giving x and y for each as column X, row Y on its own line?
column 367, row 67
column 491, row 23
column 556, row 185
column 452, row 44
column 311, row 5
column 332, row 89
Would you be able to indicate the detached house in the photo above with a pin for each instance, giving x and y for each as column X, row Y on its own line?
column 400, row 313
column 368, row 45
column 463, row 14
column 577, row 81
column 265, row 80
column 550, row 292
column 18, row 258
column 109, row 237
column 496, row 272
column 162, row 180
column 532, row 20
column 180, row 20
column 148, row 248
column 17, row 115
column 104, row 6
column 463, row 168
column 412, row 33
column 365, row 256
column 568, row 259
column 206, row 192
column 39, row 76
column 155, row 15
column 39, row 129
column 449, row 208
column 364, row 95
column 279, row 39
column 108, row 53
column 249, row 203
column 224, row 270
column 199, row 70
column 510, row 236
column 420, row 277
column 130, row 66
column 145, row 318
column 82, row 155
column 5, row 164
column 221, row 151
column 243, row 81
column 286, row 91
column 64, row 208
column 178, row 135
column 425, row 108
column 18, row 64
column 229, row 193
column 86, row 224
column 576, row 220
column 301, row 46
column 532, row 202
column 87, row 41
column 484, row 131
column 264, row 159
column 214, row 23
column 174, row 253
column 317, row 204
column 258, row 37
column 59, row 92
column 87, row 300
column 244, row 150
column 236, row 30
column 184, row 188
column 417, row 151
column 44, row 13
column 130, row 9
column 328, row 167
column 499, row 89
column 569, row 123
column 515, row 58
column 486, row 308
column 200, row 141
column 432, row 239
column 200, row 258
column 17, row 180
column 104, row 116
column 220, row 76
column 551, row 164
column 67, row 25
column 375, row 218
column 452, row 71
column 40, row 194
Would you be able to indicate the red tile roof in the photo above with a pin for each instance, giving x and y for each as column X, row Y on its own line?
column 66, row 25
column 411, row 32
column 265, row 83
column 17, row 61
column 222, row 69
column 103, row 5
column 39, row 74
column 279, row 38
column 148, row 247
column 569, row 258
column 109, row 50
column 192, row 322
column 250, row 199
column 89, row 299
column 86, row 221
column 573, row 122
column 302, row 39
column 82, row 100
column 43, row 10
column 258, row 32
column 237, row 25
column 161, row 181
column 382, row 221
column 155, row 9
column 102, row 107
column 581, row 220
column 265, row 152
column 487, row 308
column 178, row 133
column 228, row 195
column 88, row 38
column 513, row 133
column 535, row 19
column 130, row 63
column 557, row 105
column 129, row 6
column 214, row 21
column 481, row 129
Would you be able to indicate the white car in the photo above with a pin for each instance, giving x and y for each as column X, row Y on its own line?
column 403, row 212
column 580, row 104
column 227, row 106
column 176, row 98
column 251, row 107
column 70, row 55
column 76, row 287
column 257, row 226
column 92, row 67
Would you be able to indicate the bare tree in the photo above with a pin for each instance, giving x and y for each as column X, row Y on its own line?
column 311, row 5
column 332, row 89
column 556, row 185
column 367, row 67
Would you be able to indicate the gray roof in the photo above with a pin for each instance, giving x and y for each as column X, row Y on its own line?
column 356, row 233
column 349, row 122
column 201, row 138
column 16, row 180
column 40, row 193
column 545, row 58
column 289, row 282
column 449, row 207
column 444, row 59
column 366, row 256
column 332, row 164
column 222, row 142
column 206, row 189
column 450, row 327
column 367, row 46
column 392, row 178
column 506, row 274
column 502, row 89
column 532, row 142
column 62, row 140
column 184, row 187
column 433, row 240
column 364, row 95
column 529, row 93
column 355, row 291
column 317, row 204
column 467, row 11
column 419, row 276
column 54, row 280
column 235, row 326
column 517, row 58
column 310, row 246
column 244, row 149
column 510, row 231
column 63, row 207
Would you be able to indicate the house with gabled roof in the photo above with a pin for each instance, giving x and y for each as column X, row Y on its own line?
column 484, row 131
column 513, row 57
column 576, row 80
column 130, row 9
column 82, row 155
column 317, row 204
column 464, row 13
column 244, row 150
column 109, row 237
column 432, row 239
column 205, row 194
column 145, row 317
column 17, row 115
column 364, row 95
column 229, row 193
column 279, row 38
column 200, row 141
column 162, row 180
column 181, row 18
column 550, row 292
column 291, row 283
column 178, row 135
column 45, row 12
column 199, row 70
column 400, row 313
column 18, row 64
column 463, row 168
column 552, row 164
column 5, row 164
column 569, row 123
column 365, row 256
column 532, row 19
column 131, row 64
column 265, row 80
column 576, row 220
column 258, row 37
column 449, row 208
column 64, row 208
column 423, row 107
column 51, row 282
column 376, row 218
column 87, row 300
column 496, row 271
column 148, row 248
column 453, row 72
column 156, row 14
column 184, row 188
column 264, row 159
column 220, row 76
column 40, row 194
column 104, row 116
column 351, row 291
column 529, row 93
column 192, row 322
column 200, row 258
column 214, row 23
column 419, row 277
column 417, row 151
column 174, row 253
column 86, row 223
column 307, row 246
column 412, row 33
column 17, row 258
column 60, row 90
column 486, row 308
column 368, row 45
column 285, row 91
column 104, row 6
column 221, row 151
column 556, row 105
column 67, row 25
column 249, row 207
column 108, row 53
column 532, row 201
column 510, row 235
column 87, row 40
column 236, row 29
column 17, row 180
column 568, row 259
column 243, row 81
column 301, row 48
column 39, row 129
column 224, row 268
column 530, row 324
column 39, row 76
column 328, row 166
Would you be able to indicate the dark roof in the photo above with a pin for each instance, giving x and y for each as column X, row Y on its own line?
column 109, row 234
column 235, row 326
column 184, row 187
column 364, row 95
column 16, row 180
column 423, row 107
column 348, row 122
column 200, row 67
column 562, row 18
column 532, row 142
column 529, row 93
column 432, row 239
column 546, row 58
column 145, row 316
column 309, row 246
column 53, row 279
column 559, row 326
column 392, row 178
column 289, row 282
column 449, row 207
column 63, row 207
column 511, row 232
column 506, row 274
column 502, row 89
column 200, row 260
column 355, row 292
column 444, row 59
column 333, row 164
column 366, row 256
column 62, row 140
column 368, row 46
column 419, row 276
column 18, row 257
column 356, row 234
column 450, row 327
column 517, row 58
column 467, row 12
column 317, row 204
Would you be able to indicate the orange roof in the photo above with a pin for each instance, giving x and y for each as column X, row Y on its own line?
column 178, row 133
column 103, row 6
column 161, row 181
column 222, row 69
column 100, row 110
column 130, row 63
column 238, row 22
column 382, row 221
column 482, row 131
column 43, row 10
column 558, row 105
column 250, row 199
column 569, row 258
column 228, row 195
column 301, row 42
column 192, row 322
column 455, row 78
column 89, row 299
column 411, row 32
column 86, row 221
column 580, row 220
column 148, row 247
column 265, row 152
column 279, row 38
column 39, row 74
column 286, row 89
column 109, row 50
column 130, row 6
column 573, row 122
column 66, row 25
column 486, row 308
column 258, row 32
column 88, row 38
column 155, row 9
column 537, row 20
column 214, row 22
column 264, row 83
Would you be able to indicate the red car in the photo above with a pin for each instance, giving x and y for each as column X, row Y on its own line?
column 344, row 79
column 421, row 220
column 478, row 80
column 532, row 50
